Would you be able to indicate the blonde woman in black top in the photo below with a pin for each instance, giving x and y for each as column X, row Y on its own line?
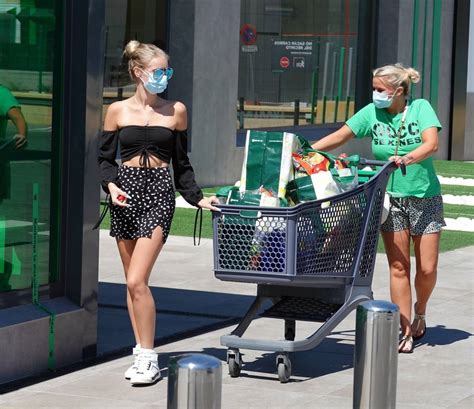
column 152, row 134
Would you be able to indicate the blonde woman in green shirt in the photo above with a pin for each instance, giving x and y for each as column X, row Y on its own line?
column 405, row 133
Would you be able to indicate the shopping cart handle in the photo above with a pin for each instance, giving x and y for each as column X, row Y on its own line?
column 371, row 162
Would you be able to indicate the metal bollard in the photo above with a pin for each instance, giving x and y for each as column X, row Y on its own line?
column 376, row 355
column 194, row 382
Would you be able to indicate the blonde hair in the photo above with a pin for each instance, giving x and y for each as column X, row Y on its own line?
column 396, row 75
column 140, row 54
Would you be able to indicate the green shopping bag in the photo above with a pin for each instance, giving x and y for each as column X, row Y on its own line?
column 268, row 161
column 300, row 190
column 223, row 193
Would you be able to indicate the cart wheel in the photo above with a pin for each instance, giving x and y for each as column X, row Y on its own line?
column 283, row 368
column 234, row 361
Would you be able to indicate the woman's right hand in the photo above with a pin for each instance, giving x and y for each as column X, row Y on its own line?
column 118, row 196
column 20, row 141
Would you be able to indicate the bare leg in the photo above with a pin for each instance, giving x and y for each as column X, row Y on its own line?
column 144, row 256
column 426, row 252
column 126, row 248
column 397, row 247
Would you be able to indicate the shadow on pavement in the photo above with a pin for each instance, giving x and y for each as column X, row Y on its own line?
column 187, row 313
column 441, row 335
column 334, row 354
column 180, row 314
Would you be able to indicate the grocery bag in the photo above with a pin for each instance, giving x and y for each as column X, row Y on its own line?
column 255, row 198
column 319, row 175
column 300, row 190
column 268, row 161
column 224, row 192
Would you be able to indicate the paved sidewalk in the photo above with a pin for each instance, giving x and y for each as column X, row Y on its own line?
column 195, row 309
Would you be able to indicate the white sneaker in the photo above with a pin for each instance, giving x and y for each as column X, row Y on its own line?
column 130, row 371
column 147, row 371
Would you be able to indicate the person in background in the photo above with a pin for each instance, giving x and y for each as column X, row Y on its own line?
column 9, row 110
column 152, row 134
column 407, row 133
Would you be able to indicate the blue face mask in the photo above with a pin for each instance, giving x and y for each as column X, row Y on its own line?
column 381, row 99
column 157, row 81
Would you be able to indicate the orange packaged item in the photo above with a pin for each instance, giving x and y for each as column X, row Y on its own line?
column 340, row 164
column 311, row 162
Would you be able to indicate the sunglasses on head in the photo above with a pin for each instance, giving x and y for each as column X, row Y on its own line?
column 159, row 72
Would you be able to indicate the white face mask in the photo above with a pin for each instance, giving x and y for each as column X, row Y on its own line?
column 382, row 99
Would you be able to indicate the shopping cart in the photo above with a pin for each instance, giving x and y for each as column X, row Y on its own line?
column 314, row 262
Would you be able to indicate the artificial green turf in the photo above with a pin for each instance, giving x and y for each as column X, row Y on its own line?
column 457, row 190
column 183, row 223
column 454, row 168
column 454, row 211
column 450, row 240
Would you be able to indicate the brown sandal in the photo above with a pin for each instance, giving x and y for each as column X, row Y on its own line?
column 405, row 345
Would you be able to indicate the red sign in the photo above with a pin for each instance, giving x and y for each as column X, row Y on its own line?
column 248, row 34
column 284, row 62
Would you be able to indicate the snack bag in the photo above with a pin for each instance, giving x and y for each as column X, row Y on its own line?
column 325, row 175
column 311, row 162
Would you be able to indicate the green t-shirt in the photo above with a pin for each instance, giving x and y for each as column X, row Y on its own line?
column 382, row 127
column 7, row 102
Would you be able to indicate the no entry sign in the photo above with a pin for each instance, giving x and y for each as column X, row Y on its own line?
column 284, row 62
column 292, row 54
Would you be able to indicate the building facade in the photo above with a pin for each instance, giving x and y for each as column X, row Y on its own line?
column 299, row 65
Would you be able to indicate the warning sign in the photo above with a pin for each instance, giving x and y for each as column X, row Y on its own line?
column 294, row 55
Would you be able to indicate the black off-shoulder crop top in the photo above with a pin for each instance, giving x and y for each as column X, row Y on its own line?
column 164, row 143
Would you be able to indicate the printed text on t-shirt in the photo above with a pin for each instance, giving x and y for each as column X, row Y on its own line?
column 384, row 134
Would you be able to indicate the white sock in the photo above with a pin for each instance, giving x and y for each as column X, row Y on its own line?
column 150, row 352
column 137, row 349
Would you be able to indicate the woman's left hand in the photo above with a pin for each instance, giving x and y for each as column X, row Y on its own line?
column 206, row 203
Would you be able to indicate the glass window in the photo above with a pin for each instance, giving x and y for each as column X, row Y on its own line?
column 27, row 41
column 297, row 62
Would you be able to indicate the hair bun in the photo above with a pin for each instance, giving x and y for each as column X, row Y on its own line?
column 131, row 48
column 413, row 74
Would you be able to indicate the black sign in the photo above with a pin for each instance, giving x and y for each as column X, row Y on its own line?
column 294, row 55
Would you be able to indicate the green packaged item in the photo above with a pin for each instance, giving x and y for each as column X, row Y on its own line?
column 223, row 193
column 255, row 198
column 300, row 190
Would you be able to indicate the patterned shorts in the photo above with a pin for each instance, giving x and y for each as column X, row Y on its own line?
column 418, row 215
column 152, row 203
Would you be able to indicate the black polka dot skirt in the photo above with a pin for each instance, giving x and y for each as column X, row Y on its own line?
column 152, row 203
